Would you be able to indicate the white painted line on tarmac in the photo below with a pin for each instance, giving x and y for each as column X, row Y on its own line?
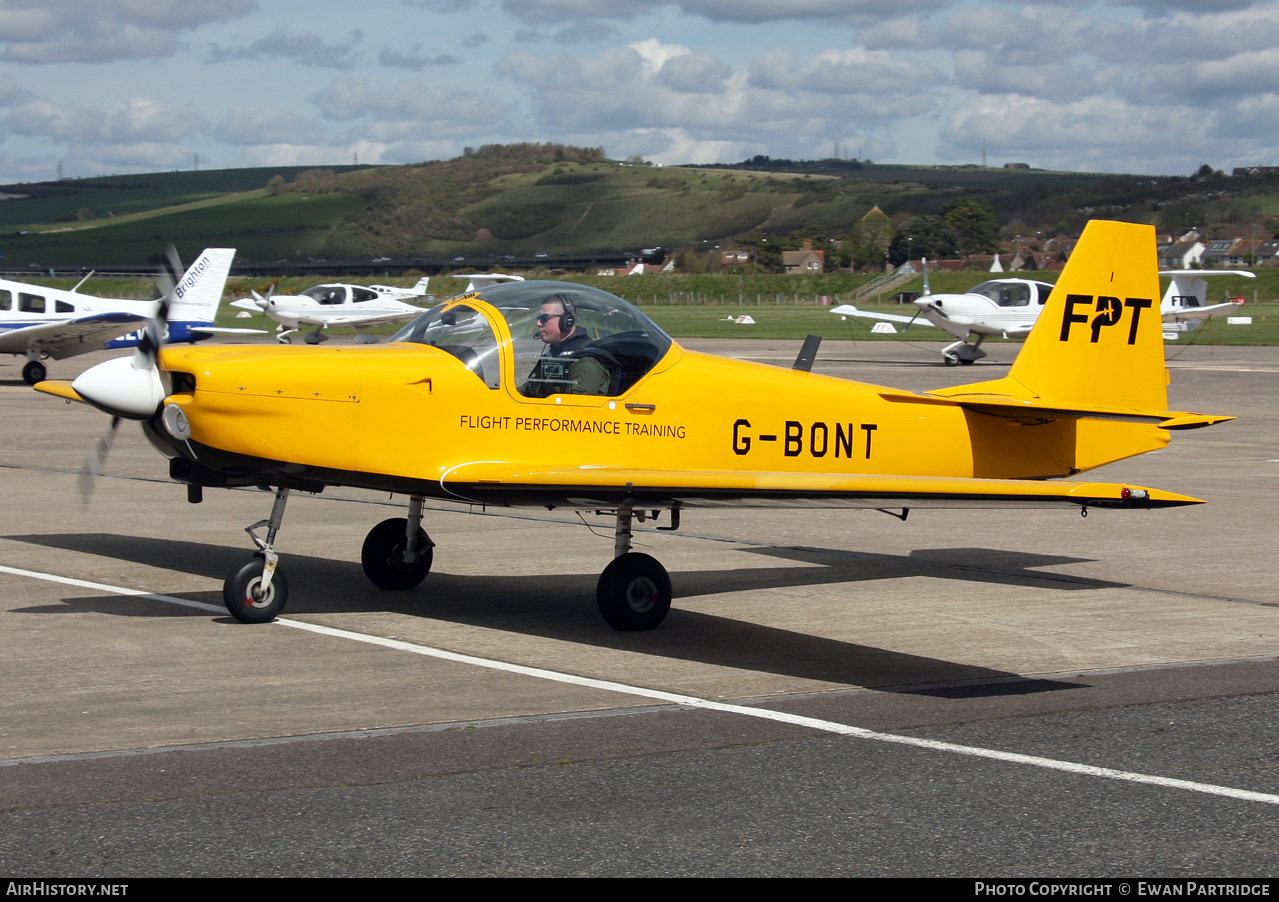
column 689, row 701
column 114, row 590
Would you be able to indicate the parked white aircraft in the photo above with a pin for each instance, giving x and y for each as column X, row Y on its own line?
column 1183, row 307
column 1009, row 308
column 337, row 304
column 52, row 323
column 478, row 281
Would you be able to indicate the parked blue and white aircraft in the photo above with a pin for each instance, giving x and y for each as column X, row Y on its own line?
column 52, row 324
column 1009, row 308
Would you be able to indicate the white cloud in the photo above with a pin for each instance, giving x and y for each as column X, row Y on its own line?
column 306, row 48
column 1091, row 131
column 742, row 11
column 141, row 156
column 136, row 120
column 99, row 31
column 409, row 110
column 275, row 127
column 414, row 59
column 856, row 70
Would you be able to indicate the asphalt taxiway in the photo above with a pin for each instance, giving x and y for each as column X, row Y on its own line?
column 834, row 693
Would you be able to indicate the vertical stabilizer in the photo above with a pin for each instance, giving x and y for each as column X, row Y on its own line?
column 199, row 292
column 1098, row 343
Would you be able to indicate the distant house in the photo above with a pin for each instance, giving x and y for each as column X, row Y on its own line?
column 734, row 258
column 1255, row 170
column 1061, row 246
column 1247, row 252
column 1181, row 254
column 803, row 262
column 1216, row 251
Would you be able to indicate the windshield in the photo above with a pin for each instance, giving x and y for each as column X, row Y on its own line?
column 605, row 346
column 326, row 294
column 462, row 331
column 1007, row 293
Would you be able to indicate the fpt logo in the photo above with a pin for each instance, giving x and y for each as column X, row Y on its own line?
column 1106, row 313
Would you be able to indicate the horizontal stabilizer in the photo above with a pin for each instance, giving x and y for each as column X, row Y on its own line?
column 1036, row 409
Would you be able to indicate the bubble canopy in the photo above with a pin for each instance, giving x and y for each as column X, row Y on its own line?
column 621, row 339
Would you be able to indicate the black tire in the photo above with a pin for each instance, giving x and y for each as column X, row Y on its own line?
column 634, row 592
column 967, row 361
column 380, row 556
column 34, row 372
column 950, row 359
column 238, row 593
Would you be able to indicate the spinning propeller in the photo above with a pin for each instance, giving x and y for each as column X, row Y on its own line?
column 128, row 387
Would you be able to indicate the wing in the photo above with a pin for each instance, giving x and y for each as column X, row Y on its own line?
column 850, row 310
column 221, row 330
column 339, row 317
column 506, row 483
column 68, row 338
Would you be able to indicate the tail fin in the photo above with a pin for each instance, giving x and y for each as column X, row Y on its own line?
column 422, row 285
column 1098, row 343
column 199, row 291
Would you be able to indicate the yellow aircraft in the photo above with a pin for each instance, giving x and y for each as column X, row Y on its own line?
column 557, row 395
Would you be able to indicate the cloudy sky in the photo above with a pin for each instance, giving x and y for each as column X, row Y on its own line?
column 1158, row 87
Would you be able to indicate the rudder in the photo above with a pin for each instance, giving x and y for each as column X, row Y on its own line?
column 199, row 291
column 1098, row 343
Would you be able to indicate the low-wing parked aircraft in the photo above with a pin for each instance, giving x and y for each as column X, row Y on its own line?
column 1183, row 308
column 477, row 280
column 1010, row 308
column 467, row 404
column 337, row 304
column 49, row 323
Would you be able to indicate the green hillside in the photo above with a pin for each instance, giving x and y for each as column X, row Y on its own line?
column 526, row 200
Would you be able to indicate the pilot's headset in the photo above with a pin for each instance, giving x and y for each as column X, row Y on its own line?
column 568, row 319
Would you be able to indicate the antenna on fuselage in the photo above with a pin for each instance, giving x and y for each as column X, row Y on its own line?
column 807, row 354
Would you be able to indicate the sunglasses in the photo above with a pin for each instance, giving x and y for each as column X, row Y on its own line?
column 544, row 318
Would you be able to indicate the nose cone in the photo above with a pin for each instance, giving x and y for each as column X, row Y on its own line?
column 925, row 302
column 126, row 387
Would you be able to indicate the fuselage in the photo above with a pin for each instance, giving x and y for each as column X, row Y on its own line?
column 401, row 417
column 998, row 307
column 333, row 303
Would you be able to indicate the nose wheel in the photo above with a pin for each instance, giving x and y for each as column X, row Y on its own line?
column 255, row 592
column 245, row 597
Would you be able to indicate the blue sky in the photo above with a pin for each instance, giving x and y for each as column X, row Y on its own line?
column 116, row 86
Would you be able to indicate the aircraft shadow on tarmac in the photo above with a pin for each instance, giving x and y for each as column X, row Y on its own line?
column 561, row 607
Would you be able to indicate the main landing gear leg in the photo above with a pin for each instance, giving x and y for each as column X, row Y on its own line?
column 397, row 553
column 255, row 592
column 634, row 591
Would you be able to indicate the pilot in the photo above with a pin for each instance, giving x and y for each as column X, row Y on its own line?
column 574, row 375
